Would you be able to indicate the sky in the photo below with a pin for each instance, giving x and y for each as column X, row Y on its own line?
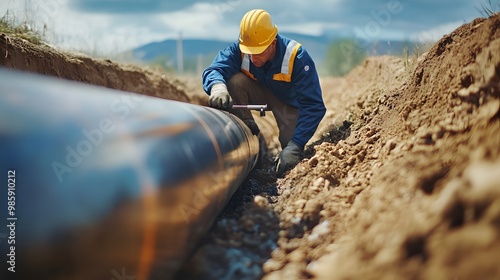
column 111, row 26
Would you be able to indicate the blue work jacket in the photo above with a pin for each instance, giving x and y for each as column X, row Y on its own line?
column 291, row 76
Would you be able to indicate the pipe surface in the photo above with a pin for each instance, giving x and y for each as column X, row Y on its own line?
column 103, row 184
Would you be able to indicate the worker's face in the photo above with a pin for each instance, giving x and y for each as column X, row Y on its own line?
column 260, row 59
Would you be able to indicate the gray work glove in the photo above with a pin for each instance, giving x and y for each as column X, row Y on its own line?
column 288, row 158
column 219, row 97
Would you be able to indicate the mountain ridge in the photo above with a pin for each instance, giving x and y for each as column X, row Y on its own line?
column 202, row 51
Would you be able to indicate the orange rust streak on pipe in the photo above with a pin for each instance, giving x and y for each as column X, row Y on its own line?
column 150, row 231
column 167, row 130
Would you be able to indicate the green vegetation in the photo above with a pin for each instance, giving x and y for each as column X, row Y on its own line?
column 342, row 56
column 163, row 62
column 9, row 26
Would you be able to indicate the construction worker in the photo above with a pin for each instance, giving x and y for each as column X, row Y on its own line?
column 264, row 67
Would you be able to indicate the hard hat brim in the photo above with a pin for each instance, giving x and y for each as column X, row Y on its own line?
column 253, row 50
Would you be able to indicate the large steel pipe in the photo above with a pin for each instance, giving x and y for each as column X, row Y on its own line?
column 103, row 184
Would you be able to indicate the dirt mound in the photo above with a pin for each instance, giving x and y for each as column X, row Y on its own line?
column 22, row 55
column 413, row 191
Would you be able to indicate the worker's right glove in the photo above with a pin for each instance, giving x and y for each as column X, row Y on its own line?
column 288, row 158
column 219, row 97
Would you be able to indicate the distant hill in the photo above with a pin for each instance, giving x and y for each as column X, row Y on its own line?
column 191, row 48
column 199, row 53
column 207, row 49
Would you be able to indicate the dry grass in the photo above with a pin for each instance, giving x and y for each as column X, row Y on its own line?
column 489, row 9
column 9, row 26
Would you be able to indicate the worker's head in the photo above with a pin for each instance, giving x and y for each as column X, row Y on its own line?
column 258, row 36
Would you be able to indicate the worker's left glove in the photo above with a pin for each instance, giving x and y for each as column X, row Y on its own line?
column 219, row 97
column 288, row 158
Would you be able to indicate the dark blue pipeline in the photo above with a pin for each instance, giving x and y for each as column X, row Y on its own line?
column 102, row 184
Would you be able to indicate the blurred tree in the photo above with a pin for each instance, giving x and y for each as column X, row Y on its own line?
column 164, row 62
column 342, row 56
column 190, row 64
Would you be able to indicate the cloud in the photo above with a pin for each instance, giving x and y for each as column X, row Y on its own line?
column 131, row 6
column 435, row 33
column 201, row 20
column 146, row 6
column 115, row 25
column 314, row 28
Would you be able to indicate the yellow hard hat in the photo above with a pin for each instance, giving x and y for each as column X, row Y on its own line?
column 257, row 31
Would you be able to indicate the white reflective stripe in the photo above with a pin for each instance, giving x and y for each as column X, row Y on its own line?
column 288, row 55
column 245, row 64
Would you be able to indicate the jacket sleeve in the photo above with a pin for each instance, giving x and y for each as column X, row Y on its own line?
column 309, row 96
column 224, row 66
